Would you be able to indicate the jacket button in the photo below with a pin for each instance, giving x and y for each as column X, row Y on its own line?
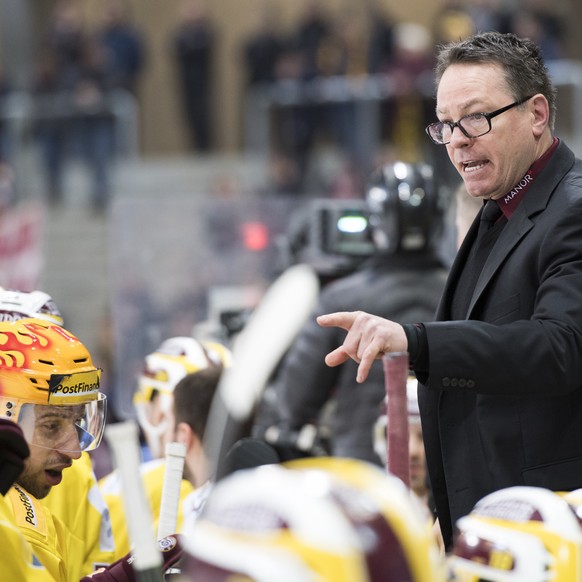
column 446, row 382
column 470, row 383
column 454, row 382
column 462, row 383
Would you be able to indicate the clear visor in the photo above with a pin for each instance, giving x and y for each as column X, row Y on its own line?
column 68, row 428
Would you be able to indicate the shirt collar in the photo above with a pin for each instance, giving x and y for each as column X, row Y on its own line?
column 511, row 200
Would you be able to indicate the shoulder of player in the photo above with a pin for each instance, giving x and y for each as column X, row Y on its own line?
column 29, row 513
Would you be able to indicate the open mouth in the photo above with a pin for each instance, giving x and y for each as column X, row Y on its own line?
column 473, row 166
column 54, row 476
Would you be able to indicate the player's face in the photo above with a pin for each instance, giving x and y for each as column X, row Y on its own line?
column 417, row 460
column 155, row 413
column 492, row 164
column 44, row 469
column 158, row 417
column 53, row 446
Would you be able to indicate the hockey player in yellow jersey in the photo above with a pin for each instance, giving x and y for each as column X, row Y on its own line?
column 163, row 369
column 78, row 501
column 80, row 504
column 17, row 562
column 50, row 387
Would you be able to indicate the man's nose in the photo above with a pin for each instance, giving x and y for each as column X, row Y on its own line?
column 67, row 450
column 70, row 445
column 458, row 137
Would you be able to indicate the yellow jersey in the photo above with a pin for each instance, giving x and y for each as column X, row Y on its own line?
column 54, row 546
column 79, row 504
column 152, row 473
column 17, row 561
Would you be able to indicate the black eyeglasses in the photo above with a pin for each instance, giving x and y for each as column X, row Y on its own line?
column 472, row 125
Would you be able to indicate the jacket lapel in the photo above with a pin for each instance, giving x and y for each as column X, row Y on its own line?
column 520, row 224
column 521, row 221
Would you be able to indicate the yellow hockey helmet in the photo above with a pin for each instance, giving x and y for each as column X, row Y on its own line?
column 46, row 372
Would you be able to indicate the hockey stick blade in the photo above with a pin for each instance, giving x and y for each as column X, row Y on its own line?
column 170, row 504
column 122, row 438
column 257, row 351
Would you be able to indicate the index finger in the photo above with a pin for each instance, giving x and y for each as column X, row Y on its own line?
column 343, row 319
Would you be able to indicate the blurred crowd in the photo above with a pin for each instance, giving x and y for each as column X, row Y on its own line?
column 313, row 72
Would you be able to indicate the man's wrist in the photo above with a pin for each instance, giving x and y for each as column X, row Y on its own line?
column 417, row 346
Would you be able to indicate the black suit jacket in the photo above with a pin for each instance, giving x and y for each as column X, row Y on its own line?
column 502, row 404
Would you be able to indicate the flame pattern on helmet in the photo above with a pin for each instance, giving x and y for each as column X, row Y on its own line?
column 11, row 358
column 31, row 351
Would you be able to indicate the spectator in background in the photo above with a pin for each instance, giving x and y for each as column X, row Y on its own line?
column 408, row 109
column 552, row 16
column 381, row 43
column 313, row 28
column 93, row 129
column 452, row 22
column 64, row 40
column 263, row 48
column 295, row 123
column 193, row 51
column 532, row 24
column 487, row 15
column 343, row 53
column 57, row 72
column 123, row 46
column 299, row 63
column 72, row 84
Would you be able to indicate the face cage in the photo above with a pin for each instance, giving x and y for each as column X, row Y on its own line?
column 71, row 428
column 511, row 555
column 152, row 432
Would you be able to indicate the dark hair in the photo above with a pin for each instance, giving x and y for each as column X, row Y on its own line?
column 520, row 58
column 193, row 396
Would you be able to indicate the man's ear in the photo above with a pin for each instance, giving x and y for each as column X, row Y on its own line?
column 541, row 114
column 184, row 434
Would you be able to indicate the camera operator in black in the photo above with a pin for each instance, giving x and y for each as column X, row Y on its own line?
column 403, row 281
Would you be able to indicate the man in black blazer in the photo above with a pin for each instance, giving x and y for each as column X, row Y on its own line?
column 500, row 370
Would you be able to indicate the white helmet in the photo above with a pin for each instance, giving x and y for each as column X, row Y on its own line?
column 339, row 521
column 16, row 305
column 163, row 369
column 518, row 534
